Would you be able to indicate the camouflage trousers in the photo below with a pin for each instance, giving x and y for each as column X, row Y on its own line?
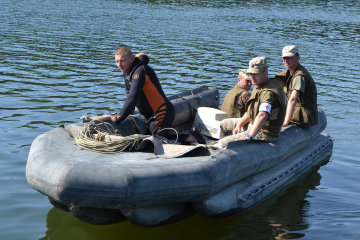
column 229, row 124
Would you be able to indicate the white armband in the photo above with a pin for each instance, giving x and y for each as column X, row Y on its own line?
column 265, row 107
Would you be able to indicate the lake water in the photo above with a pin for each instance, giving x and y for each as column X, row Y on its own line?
column 56, row 65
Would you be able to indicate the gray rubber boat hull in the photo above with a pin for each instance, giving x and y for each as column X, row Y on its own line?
column 149, row 190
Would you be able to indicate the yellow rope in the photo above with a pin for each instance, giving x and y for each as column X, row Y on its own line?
column 92, row 135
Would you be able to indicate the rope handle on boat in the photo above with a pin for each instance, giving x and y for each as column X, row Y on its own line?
column 165, row 140
column 191, row 107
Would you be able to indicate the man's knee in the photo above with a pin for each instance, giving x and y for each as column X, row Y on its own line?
column 228, row 125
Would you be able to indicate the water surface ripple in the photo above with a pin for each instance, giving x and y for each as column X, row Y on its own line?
column 56, row 65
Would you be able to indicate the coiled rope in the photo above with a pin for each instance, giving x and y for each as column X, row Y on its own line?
column 92, row 138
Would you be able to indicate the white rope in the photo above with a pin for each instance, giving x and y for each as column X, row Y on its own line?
column 92, row 138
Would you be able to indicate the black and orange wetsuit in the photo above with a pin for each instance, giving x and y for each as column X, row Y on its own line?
column 144, row 91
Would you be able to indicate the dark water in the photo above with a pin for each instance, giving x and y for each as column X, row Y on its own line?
column 56, row 65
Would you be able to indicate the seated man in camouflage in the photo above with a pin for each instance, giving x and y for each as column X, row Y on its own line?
column 265, row 109
column 300, row 89
column 235, row 101
column 236, row 98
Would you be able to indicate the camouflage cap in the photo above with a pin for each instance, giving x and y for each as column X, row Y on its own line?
column 290, row 51
column 257, row 65
column 243, row 73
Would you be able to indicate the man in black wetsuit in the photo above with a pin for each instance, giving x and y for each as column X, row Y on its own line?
column 143, row 91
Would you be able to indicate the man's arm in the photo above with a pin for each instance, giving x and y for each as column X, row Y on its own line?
column 138, row 81
column 297, row 86
column 291, row 107
column 245, row 97
column 261, row 117
column 259, row 122
column 241, row 100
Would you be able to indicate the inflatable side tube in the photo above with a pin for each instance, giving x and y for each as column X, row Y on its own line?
column 254, row 189
column 187, row 105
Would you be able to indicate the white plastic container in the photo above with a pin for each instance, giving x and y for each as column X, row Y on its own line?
column 207, row 120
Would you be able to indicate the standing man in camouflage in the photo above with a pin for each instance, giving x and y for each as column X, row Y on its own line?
column 265, row 109
column 300, row 89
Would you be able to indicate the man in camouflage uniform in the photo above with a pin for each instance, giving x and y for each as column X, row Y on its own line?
column 266, row 107
column 235, row 101
column 300, row 89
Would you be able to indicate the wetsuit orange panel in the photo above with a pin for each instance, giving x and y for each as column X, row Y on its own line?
column 144, row 91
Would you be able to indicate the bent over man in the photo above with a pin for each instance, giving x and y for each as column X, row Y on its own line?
column 266, row 107
column 300, row 89
column 143, row 90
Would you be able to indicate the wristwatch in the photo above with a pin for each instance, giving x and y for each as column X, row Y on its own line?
column 249, row 136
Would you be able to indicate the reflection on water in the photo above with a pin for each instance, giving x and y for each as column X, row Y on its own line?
column 281, row 217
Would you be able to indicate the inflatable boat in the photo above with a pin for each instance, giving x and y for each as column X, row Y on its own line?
column 152, row 188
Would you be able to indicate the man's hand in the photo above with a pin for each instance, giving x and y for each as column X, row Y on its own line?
column 104, row 118
column 236, row 130
column 114, row 118
column 244, row 120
